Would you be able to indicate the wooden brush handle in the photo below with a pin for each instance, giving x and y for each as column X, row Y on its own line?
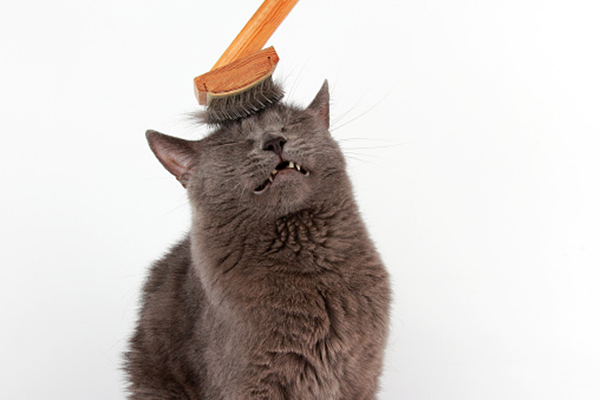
column 257, row 31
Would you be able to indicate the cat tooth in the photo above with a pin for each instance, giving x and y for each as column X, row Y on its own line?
column 298, row 167
column 291, row 165
column 274, row 172
column 271, row 179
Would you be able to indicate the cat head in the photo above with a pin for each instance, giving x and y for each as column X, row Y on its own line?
column 278, row 161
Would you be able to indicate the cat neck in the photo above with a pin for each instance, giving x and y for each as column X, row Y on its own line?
column 319, row 236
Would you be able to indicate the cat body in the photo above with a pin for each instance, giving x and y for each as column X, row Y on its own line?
column 277, row 292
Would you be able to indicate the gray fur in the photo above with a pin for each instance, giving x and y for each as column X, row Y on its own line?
column 275, row 295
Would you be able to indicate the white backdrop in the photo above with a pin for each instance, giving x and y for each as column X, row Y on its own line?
column 473, row 135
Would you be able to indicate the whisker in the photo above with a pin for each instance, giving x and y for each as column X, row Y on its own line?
column 364, row 112
column 380, row 147
column 349, row 153
column 349, row 139
column 177, row 208
column 362, row 160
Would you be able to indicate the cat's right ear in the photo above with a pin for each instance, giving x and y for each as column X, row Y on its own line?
column 176, row 155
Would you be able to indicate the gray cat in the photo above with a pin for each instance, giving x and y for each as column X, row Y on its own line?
column 277, row 292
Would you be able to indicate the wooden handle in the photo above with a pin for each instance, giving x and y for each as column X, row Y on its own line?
column 257, row 31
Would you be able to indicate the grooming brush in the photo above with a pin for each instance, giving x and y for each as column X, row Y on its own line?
column 241, row 83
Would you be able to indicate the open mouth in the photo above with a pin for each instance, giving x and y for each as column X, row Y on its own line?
column 280, row 167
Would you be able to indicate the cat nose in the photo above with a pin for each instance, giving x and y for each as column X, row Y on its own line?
column 274, row 144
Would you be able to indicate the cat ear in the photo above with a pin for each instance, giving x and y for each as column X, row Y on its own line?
column 176, row 155
column 319, row 107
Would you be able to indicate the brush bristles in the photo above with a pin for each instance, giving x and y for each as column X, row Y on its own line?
column 243, row 104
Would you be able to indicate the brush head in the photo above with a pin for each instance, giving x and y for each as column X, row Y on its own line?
column 244, row 103
column 240, row 88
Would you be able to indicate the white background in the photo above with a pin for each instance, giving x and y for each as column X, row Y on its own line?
column 472, row 131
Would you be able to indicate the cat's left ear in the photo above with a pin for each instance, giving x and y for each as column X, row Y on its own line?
column 176, row 155
column 319, row 107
